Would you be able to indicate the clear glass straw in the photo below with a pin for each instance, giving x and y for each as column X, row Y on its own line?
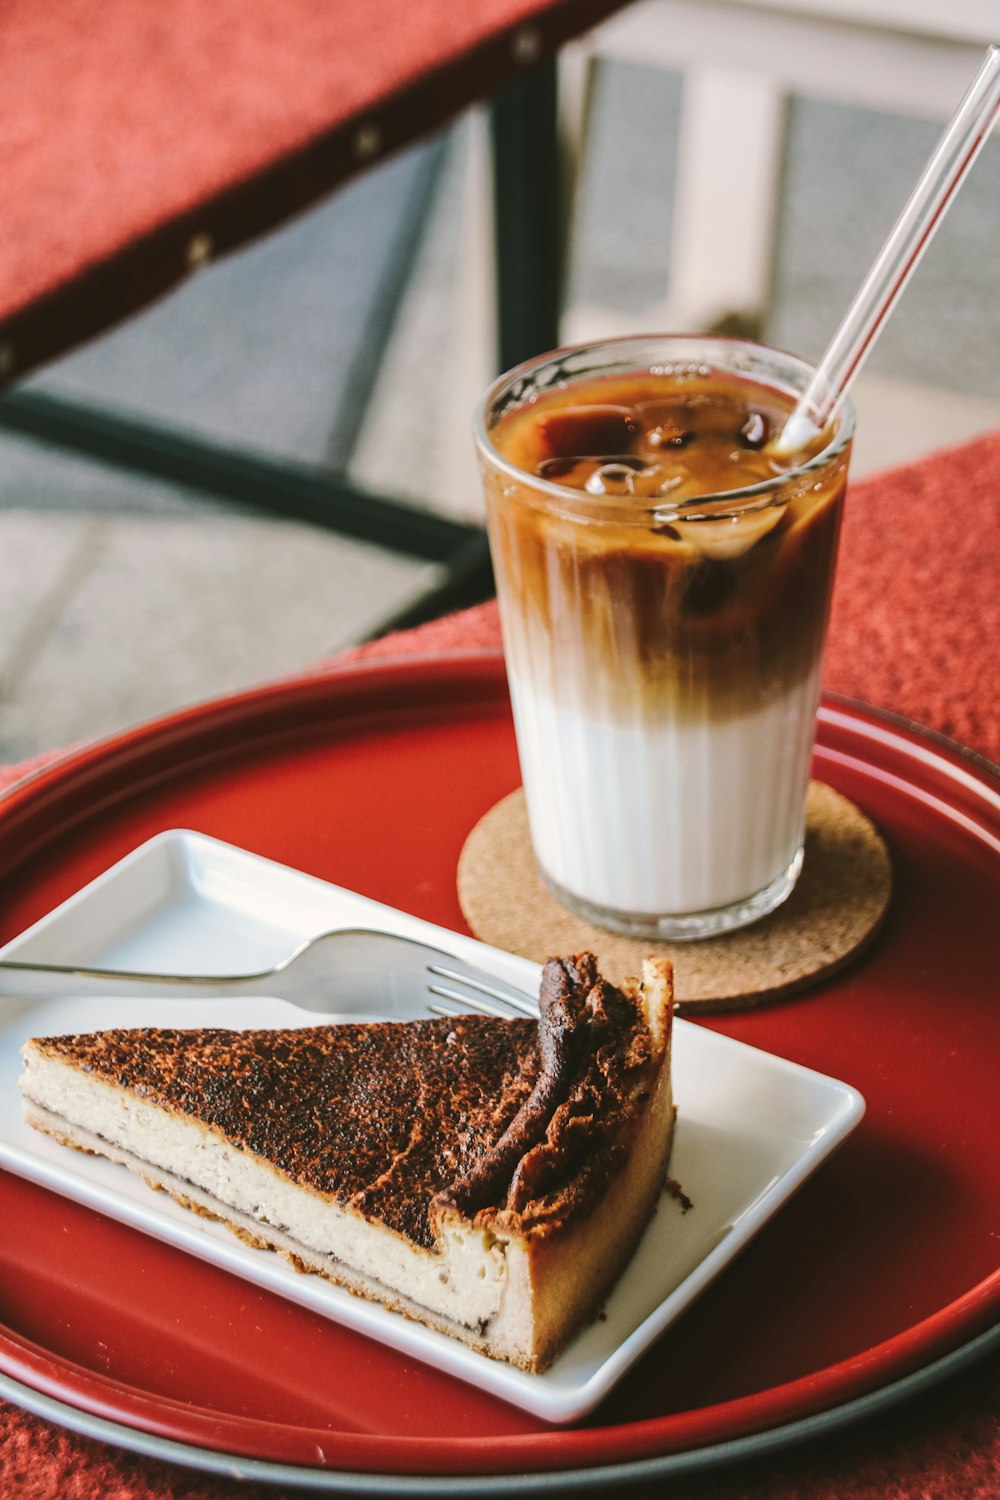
column 913, row 231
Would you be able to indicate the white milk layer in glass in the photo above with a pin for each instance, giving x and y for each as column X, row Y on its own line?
column 680, row 817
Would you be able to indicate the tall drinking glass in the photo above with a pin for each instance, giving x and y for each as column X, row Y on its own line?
column 664, row 581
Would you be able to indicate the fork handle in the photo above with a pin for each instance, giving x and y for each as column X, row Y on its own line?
column 28, row 981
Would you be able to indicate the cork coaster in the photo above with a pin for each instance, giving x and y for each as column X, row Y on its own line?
column 836, row 908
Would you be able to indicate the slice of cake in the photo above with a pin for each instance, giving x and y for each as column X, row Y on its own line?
column 489, row 1177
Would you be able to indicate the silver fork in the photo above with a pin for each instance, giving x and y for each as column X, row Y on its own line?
column 350, row 969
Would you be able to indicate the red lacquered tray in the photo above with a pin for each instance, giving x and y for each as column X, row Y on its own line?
column 371, row 776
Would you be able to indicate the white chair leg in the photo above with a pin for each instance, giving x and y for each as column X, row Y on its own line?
column 473, row 363
column 728, row 173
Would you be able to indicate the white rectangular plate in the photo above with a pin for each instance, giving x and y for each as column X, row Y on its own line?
column 751, row 1127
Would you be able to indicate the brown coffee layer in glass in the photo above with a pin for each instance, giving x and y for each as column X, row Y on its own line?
column 613, row 593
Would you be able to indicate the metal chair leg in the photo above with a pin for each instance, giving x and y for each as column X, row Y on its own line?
column 528, row 216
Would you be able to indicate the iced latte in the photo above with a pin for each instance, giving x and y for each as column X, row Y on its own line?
column 664, row 579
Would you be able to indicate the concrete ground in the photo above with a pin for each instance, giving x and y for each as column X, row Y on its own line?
column 122, row 598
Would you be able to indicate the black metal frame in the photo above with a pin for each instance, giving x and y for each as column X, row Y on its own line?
column 529, row 258
column 528, row 216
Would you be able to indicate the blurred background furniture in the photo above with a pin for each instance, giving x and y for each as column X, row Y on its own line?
column 147, row 142
column 742, row 60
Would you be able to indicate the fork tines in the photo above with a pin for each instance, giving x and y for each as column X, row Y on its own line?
column 475, row 992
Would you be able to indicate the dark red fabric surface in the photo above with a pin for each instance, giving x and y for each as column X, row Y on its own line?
column 132, row 126
column 916, row 616
column 914, row 630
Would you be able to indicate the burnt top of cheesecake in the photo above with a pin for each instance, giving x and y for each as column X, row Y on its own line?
column 401, row 1120
column 566, row 1139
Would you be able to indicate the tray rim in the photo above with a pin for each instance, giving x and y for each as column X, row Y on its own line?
column 684, row 1462
column 152, row 747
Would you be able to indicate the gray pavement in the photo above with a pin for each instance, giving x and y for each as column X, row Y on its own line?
column 111, row 619
column 124, row 597
column 121, row 598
